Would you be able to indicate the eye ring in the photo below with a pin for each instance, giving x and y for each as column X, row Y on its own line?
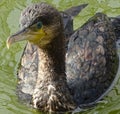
column 39, row 24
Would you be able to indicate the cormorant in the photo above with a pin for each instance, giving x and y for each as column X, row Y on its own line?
column 60, row 78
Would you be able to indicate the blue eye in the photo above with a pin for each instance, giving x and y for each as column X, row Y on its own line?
column 39, row 24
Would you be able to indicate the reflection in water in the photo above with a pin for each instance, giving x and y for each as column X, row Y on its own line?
column 9, row 59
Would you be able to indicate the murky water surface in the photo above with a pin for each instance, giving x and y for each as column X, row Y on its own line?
column 9, row 59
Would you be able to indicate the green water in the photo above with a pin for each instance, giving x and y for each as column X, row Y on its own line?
column 9, row 59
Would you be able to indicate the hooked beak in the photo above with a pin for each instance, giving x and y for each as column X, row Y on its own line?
column 19, row 36
column 26, row 34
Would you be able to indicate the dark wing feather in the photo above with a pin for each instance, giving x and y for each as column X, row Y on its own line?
column 74, row 11
column 67, row 17
column 116, row 25
column 27, row 73
column 91, row 59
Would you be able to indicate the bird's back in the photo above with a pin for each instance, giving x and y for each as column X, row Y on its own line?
column 91, row 59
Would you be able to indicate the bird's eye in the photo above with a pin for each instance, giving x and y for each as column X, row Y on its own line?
column 39, row 24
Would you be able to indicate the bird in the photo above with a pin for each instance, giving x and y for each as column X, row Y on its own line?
column 30, row 55
column 56, row 75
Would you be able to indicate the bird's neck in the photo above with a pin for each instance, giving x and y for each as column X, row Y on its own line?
column 52, row 59
column 51, row 90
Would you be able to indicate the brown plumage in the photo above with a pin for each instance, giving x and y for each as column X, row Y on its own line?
column 56, row 83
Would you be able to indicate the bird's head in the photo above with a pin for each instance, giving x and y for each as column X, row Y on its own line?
column 40, row 23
